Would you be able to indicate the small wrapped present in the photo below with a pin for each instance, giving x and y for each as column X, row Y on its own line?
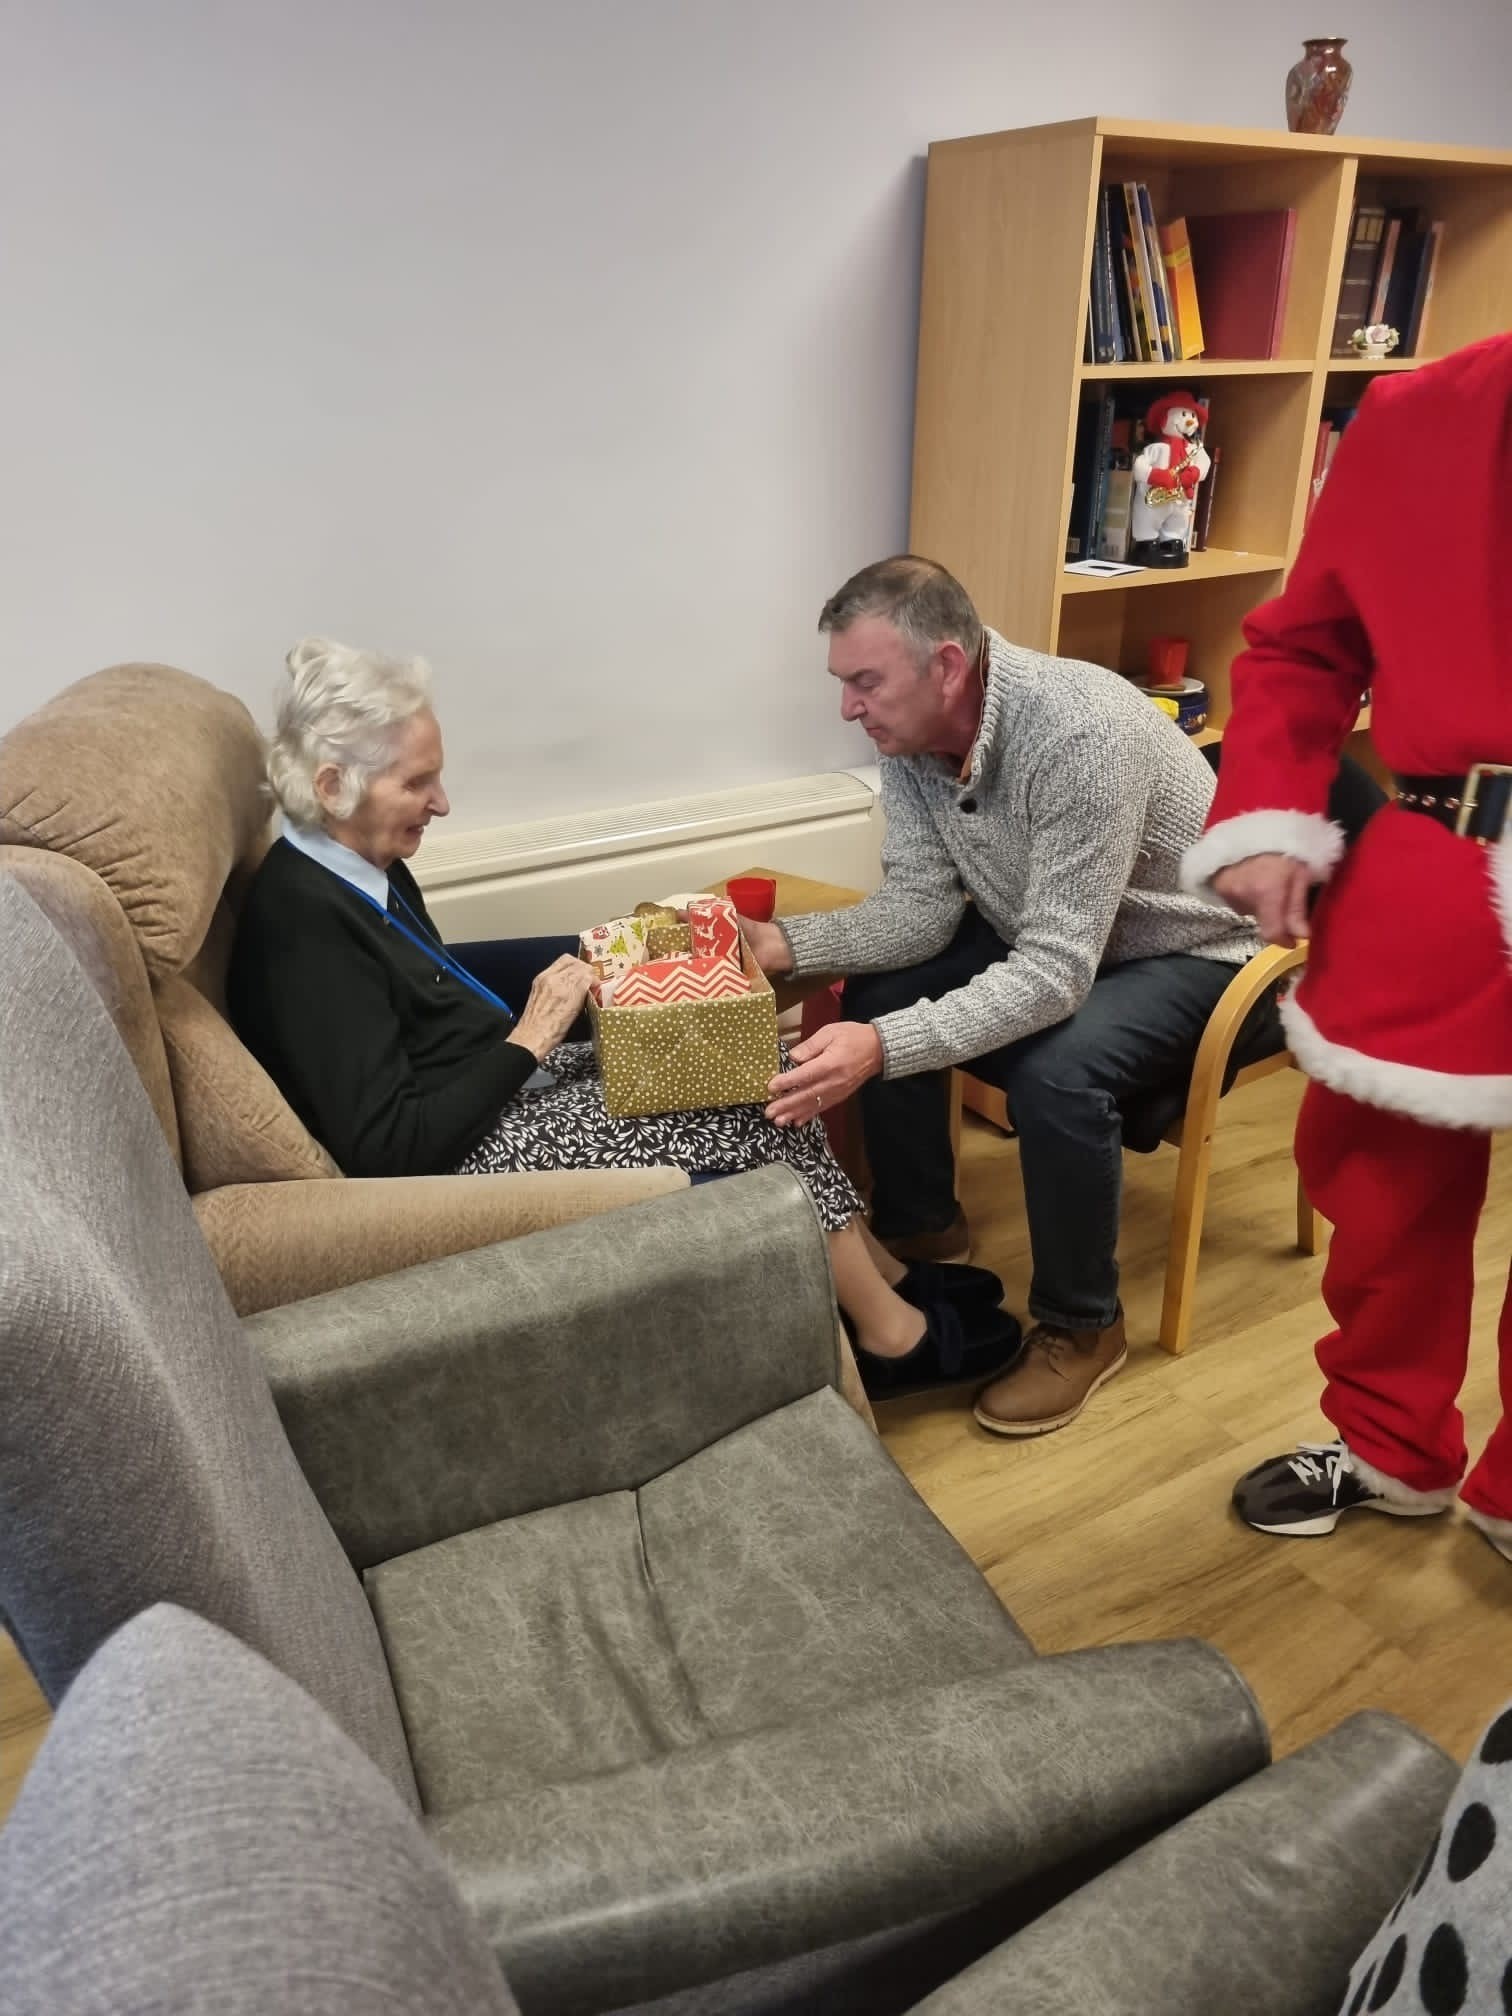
column 620, row 938
column 715, row 933
column 662, row 981
column 655, row 913
column 665, row 941
column 610, row 970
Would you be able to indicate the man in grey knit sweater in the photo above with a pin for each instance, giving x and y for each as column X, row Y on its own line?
column 1077, row 977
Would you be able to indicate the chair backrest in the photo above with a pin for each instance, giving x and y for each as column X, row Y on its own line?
column 195, row 1831
column 153, row 781
column 1354, row 797
column 141, row 1459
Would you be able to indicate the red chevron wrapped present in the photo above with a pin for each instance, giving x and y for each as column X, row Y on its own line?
column 716, row 934
column 662, row 981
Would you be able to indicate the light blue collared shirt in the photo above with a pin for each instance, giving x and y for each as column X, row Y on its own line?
column 342, row 861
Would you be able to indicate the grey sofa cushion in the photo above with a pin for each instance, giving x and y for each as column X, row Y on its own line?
column 1255, row 1904
column 742, row 1852
column 531, row 1651
column 769, row 1578
column 197, row 1836
column 141, row 1458
column 796, row 1572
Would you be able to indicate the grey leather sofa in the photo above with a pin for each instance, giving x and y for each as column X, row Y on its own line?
column 197, row 1834
column 575, row 1539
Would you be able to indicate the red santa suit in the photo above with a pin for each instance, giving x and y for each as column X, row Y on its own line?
column 1404, row 1016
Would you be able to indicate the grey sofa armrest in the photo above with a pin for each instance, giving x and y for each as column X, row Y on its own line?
column 890, row 1810
column 1260, row 1902
column 584, row 1359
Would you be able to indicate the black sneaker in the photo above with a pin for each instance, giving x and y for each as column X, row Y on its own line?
column 1306, row 1494
column 957, row 1345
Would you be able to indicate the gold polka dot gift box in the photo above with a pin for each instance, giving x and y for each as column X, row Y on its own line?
column 682, row 1055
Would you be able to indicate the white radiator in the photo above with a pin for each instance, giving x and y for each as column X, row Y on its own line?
column 555, row 875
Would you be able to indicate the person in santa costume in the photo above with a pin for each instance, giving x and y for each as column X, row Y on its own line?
column 1403, row 1019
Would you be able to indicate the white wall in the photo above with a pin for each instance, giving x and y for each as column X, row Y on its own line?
column 570, row 344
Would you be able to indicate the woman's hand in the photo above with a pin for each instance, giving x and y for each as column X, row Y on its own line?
column 556, row 1001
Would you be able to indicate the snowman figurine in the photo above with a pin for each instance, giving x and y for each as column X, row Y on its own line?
column 1167, row 471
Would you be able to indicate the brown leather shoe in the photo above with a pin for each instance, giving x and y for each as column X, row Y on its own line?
column 1053, row 1380
column 954, row 1243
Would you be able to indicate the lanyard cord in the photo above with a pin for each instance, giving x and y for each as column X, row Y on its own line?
column 432, row 948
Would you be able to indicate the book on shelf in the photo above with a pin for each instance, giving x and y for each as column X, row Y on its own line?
column 1388, row 276
column 1367, row 237
column 1169, row 346
column 1107, row 329
column 1202, row 517
column 1331, row 429
column 1319, row 463
column 1150, row 307
column 1181, row 286
column 1083, row 476
column 1416, row 333
column 1143, row 290
column 1385, row 261
column 1118, row 506
column 1241, row 264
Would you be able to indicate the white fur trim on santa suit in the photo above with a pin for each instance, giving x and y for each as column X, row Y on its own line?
column 1482, row 1101
column 1396, row 1492
column 1305, row 836
column 1497, row 1531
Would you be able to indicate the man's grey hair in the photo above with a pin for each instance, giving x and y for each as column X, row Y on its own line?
column 345, row 707
column 926, row 605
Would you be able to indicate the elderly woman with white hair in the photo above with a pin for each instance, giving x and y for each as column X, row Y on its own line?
column 403, row 1060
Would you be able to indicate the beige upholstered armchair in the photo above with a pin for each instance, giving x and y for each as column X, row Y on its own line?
column 132, row 809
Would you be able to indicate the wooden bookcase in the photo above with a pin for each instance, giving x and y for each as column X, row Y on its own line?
column 1008, row 236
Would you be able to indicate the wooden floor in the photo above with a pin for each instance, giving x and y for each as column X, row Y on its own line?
column 1119, row 1527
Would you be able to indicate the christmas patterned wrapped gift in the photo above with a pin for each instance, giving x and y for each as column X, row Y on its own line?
column 620, row 938
column 612, row 949
column 716, row 934
column 693, row 979
column 689, row 1054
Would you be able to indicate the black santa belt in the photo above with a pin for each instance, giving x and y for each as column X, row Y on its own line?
column 1476, row 805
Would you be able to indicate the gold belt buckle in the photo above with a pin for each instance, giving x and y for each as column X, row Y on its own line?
column 1471, row 798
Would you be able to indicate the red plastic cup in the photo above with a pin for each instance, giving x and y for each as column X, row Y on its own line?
column 1168, row 661
column 754, row 896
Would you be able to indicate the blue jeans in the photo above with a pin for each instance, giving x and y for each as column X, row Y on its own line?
column 1069, row 1091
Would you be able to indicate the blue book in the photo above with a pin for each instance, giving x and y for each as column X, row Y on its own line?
column 1114, row 352
column 1167, row 333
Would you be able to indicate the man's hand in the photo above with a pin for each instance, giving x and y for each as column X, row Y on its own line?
column 768, row 947
column 1271, row 888
column 828, row 1068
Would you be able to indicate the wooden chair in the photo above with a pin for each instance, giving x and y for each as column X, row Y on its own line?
column 1191, row 1134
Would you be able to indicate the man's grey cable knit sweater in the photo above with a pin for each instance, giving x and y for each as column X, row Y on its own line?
column 1067, row 832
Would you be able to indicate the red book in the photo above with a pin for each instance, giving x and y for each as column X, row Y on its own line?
column 1320, row 463
column 1242, row 265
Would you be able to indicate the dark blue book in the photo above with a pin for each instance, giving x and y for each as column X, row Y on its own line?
column 1101, row 458
column 1115, row 351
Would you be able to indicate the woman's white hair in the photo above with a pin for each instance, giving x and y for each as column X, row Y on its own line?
column 345, row 707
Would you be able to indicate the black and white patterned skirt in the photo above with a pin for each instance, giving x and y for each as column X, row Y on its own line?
column 565, row 1126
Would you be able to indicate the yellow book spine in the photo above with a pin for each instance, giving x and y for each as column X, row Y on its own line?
column 1181, row 283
